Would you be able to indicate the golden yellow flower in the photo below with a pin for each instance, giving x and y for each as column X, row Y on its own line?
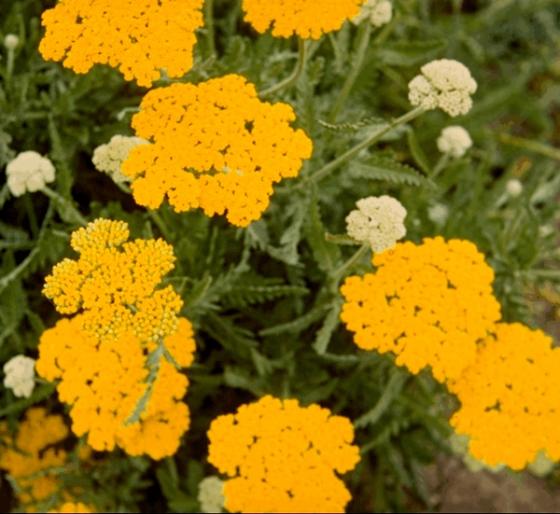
column 306, row 18
column 510, row 398
column 76, row 507
column 139, row 37
column 429, row 304
column 214, row 145
column 31, row 456
column 115, row 359
column 281, row 457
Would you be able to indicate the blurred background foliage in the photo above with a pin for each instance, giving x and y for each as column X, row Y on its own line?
column 264, row 300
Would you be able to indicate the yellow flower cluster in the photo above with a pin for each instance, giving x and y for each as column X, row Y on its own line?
column 281, row 457
column 429, row 304
column 306, row 18
column 510, row 398
column 70, row 507
column 214, row 145
column 100, row 355
column 139, row 37
column 32, row 453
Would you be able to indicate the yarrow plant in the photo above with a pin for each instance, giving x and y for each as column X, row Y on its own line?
column 377, row 12
column 138, row 37
column 214, row 146
column 360, row 282
column 109, row 157
column 29, row 172
column 281, row 457
column 118, row 395
column 443, row 84
column 309, row 19
column 378, row 221
column 19, row 374
column 429, row 304
column 454, row 141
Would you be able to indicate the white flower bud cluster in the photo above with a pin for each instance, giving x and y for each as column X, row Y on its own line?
column 211, row 494
column 378, row 221
column 20, row 375
column 438, row 213
column 514, row 187
column 108, row 158
column 445, row 84
column 379, row 12
column 11, row 41
column 29, row 171
column 454, row 141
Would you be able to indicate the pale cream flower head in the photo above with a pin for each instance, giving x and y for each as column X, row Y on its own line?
column 20, row 375
column 378, row 221
column 514, row 187
column 445, row 84
column 379, row 12
column 454, row 141
column 11, row 41
column 29, row 171
column 109, row 157
column 211, row 494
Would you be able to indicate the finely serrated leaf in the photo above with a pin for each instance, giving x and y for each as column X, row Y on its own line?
column 387, row 169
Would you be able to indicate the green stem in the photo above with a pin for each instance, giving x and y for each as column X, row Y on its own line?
column 440, row 166
column 209, row 15
column 528, row 144
column 66, row 204
column 31, row 215
column 292, row 79
column 376, row 136
column 10, row 64
column 394, row 387
column 341, row 272
column 363, row 37
column 158, row 221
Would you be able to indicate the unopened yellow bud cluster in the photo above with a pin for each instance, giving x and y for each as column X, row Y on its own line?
column 100, row 355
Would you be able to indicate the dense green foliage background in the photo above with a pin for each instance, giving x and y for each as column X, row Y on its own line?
column 264, row 300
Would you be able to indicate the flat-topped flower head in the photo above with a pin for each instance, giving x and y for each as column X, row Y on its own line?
column 428, row 304
column 378, row 12
column 139, row 37
column 445, row 84
column 31, row 458
column 308, row 19
column 378, row 221
column 214, row 146
column 454, row 141
column 281, row 457
column 104, row 381
column 109, row 157
column 510, row 398
column 29, row 172
column 115, row 359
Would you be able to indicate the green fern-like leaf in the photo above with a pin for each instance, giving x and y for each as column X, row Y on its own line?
column 387, row 169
